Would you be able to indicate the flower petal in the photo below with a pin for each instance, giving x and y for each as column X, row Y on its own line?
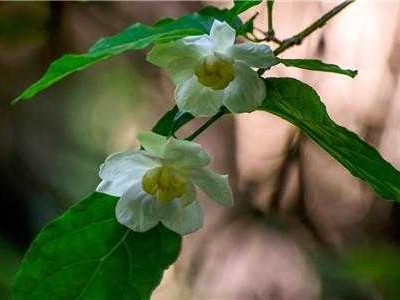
column 181, row 69
column 121, row 170
column 137, row 210
column 223, row 35
column 246, row 92
column 182, row 220
column 185, row 154
column 193, row 97
column 189, row 196
column 113, row 188
column 180, row 57
column 216, row 186
column 255, row 55
column 152, row 142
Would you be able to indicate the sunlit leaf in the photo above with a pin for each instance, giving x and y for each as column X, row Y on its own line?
column 171, row 29
column 137, row 36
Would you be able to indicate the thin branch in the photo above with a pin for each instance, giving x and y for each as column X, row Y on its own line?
column 207, row 124
column 251, row 37
column 270, row 34
column 298, row 38
column 270, row 6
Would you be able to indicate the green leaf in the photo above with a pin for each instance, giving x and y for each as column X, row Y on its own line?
column 242, row 5
column 87, row 254
column 248, row 26
column 317, row 65
column 299, row 104
column 172, row 121
column 141, row 36
column 137, row 36
column 170, row 29
column 222, row 15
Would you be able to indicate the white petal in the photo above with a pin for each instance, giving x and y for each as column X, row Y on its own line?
column 185, row 154
column 223, row 35
column 121, row 170
column 181, row 69
column 152, row 142
column 183, row 220
column 255, row 55
column 189, row 196
column 193, row 97
column 113, row 188
column 190, row 47
column 181, row 57
column 216, row 186
column 137, row 210
column 246, row 92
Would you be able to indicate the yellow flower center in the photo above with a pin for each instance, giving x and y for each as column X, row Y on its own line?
column 165, row 183
column 215, row 71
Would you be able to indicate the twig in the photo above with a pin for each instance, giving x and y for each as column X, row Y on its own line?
column 298, row 38
column 270, row 34
column 253, row 38
column 270, row 6
column 207, row 124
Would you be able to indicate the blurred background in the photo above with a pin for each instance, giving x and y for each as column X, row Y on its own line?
column 302, row 226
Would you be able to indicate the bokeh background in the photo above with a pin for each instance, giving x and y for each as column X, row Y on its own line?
column 302, row 226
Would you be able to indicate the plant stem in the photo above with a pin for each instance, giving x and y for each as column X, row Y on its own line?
column 298, row 38
column 270, row 6
column 207, row 124
column 283, row 45
column 270, row 34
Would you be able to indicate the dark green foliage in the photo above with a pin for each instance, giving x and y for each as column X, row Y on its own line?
column 317, row 65
column 171, row 121
column 299, row 104
column 87, row 254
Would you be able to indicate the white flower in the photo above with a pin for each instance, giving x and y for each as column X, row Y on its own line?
column 211, row 71
column 158, row 184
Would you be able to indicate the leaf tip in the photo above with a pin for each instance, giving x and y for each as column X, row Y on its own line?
column 15, row 101
column 353, row 73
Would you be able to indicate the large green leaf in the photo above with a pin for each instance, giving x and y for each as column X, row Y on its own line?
column 193, row 24
column 317, row 65
column 87, row 254
column 298, row 103
column 71, row 63
column 137, row 36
